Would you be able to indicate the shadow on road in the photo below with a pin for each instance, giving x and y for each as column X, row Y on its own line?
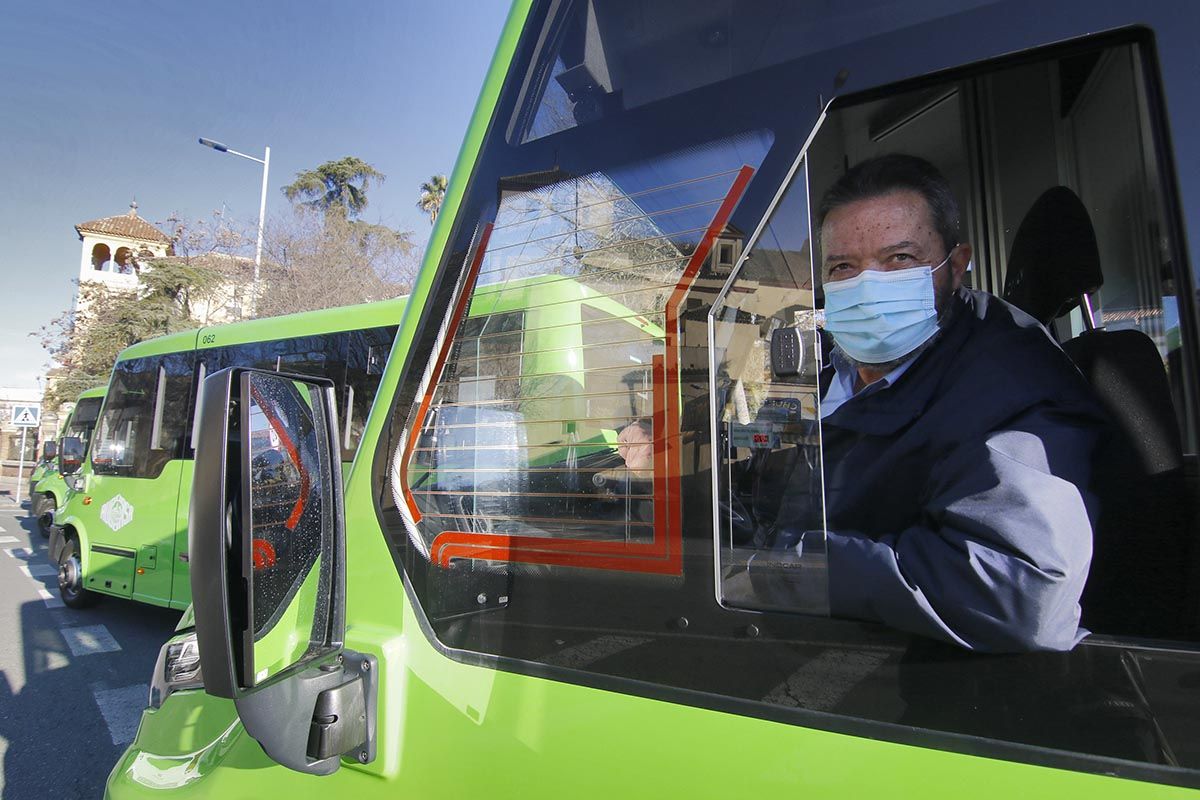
column 58, row 741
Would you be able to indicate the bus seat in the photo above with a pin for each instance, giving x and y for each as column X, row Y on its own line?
column 1055, row 260
column 1137, row 583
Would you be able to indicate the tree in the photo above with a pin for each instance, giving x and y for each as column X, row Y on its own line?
column 313, row 261
column 335, row 187
column 433, row 192
column 86, row 339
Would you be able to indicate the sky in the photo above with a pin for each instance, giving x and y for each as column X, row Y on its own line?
column 101, row 103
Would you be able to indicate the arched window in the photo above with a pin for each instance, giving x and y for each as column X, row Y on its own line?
column 101, row 258
column 123, row 261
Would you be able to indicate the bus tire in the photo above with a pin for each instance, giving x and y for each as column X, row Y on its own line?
column 70, row 578
column 43, row 507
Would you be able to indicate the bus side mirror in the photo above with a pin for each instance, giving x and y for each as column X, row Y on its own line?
column 49, row 450
column 266, row 547
column 72, row 455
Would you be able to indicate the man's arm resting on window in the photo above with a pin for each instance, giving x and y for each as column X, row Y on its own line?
column 1001, row 557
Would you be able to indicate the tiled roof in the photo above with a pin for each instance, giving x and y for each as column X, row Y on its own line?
column 130, row 225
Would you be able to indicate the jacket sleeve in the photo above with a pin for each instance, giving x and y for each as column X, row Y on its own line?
column 1000, row 558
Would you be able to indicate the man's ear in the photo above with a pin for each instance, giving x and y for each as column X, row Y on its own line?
column 958, row 263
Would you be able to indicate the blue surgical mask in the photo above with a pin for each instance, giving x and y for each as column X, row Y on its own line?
column 879, row 316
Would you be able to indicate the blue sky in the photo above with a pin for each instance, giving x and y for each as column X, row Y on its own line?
column 102, row 102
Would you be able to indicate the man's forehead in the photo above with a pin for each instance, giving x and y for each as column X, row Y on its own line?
column 879, row 215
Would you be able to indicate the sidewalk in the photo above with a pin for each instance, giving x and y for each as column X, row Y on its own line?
column 10, row 487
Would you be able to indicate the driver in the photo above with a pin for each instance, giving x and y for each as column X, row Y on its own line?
column 958, row 438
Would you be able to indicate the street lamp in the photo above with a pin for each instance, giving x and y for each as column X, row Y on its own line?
column 262, row 203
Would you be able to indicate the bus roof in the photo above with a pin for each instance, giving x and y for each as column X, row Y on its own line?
column 95, row 391
column 327, row 320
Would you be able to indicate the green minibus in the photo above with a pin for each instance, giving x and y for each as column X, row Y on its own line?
column 122, row 529
column 635, row 576
column 48, row 485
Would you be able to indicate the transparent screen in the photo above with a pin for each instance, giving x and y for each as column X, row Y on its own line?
column 770, row 504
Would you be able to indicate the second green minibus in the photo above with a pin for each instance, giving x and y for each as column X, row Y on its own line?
column 48, row 484
column 123, row 528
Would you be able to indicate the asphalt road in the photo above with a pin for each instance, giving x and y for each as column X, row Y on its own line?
column 72, row 683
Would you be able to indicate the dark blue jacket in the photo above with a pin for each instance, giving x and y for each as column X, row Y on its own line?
column 958, row 500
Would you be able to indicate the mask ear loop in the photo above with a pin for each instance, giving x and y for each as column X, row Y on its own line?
column 945, row 260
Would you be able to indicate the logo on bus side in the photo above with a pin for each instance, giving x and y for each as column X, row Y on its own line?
column 116, row 513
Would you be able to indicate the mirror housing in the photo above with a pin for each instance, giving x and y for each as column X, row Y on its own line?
column 71, row 455
column 266, row 452
column 49, row 450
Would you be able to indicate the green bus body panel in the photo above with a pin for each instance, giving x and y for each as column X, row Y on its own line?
column 450, row 729
column 54, row 484
column 329, row 320
column 171, row 343
column 155, row 522
column 111, row 571
column 462, row 731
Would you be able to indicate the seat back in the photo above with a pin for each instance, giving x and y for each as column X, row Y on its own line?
column 1137, row 581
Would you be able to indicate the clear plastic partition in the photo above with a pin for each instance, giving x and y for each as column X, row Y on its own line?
column 769, row 502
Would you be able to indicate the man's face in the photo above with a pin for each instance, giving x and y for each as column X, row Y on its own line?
column 889, row 232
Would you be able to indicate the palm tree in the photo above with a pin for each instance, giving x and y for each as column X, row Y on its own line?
column 335, row 186
column 433, row 192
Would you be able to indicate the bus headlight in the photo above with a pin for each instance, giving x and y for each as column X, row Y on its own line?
column 177, row 668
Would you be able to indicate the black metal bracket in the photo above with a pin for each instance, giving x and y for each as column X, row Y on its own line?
column 311, row 720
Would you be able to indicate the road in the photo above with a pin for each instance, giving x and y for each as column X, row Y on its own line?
column 72, row 683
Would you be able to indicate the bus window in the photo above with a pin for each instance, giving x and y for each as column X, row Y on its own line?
column 366, row 355
column 83, row 419
column 555, row 385
column 145, row 416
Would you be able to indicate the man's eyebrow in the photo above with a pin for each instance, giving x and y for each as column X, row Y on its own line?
column 905, row 245
column 835, row 258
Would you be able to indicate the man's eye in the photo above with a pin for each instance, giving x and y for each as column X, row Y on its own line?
column 902, row 258
column 836, row 268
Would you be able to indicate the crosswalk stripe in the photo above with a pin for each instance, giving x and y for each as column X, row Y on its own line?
column 39, row 571
column 23, row 553
column 51, row 600
column 87, row 639
column 9, row 540
column 121, row 709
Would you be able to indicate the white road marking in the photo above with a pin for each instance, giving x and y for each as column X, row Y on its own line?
column 1, row 530
column 39, row 571
column 87, row 639
column 51, row 600
column 121, row 709
column 56, row 660
column 9, row 540
column 823, row 681
column 20, row 552
column 581, row 655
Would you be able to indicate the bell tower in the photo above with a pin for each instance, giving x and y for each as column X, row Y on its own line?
column 113, row 246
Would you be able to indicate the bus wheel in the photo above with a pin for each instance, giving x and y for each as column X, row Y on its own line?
column 44, row 508
column 70, row 578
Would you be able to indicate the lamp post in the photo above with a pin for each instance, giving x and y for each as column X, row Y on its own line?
column 262, row 203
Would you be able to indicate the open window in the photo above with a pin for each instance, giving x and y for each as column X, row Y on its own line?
column 1067, row 211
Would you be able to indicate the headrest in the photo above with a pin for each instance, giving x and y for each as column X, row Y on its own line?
column 1054, row 257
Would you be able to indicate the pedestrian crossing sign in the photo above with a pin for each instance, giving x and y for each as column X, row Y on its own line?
column 25, row 416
